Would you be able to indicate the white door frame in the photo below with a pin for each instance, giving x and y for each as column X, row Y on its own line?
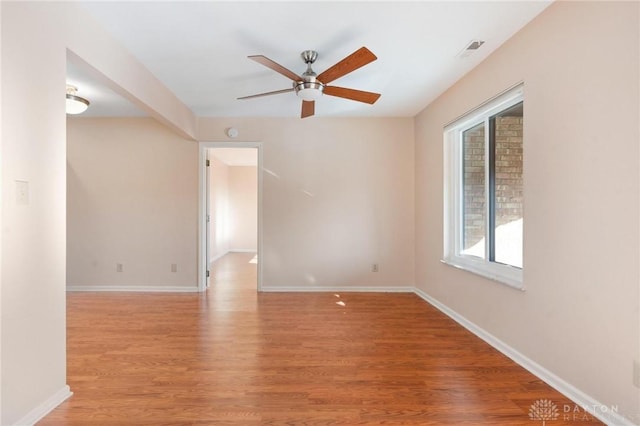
column 202, row 207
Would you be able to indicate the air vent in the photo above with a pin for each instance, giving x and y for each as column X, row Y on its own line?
column 474, row 45
column 471, row 47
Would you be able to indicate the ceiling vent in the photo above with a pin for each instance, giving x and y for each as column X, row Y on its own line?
column 470, row 48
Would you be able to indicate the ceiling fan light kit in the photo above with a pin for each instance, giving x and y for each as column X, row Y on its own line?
column 310, row 87
column 311, row 91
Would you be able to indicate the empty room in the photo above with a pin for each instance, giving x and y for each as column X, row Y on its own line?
column 298, row 213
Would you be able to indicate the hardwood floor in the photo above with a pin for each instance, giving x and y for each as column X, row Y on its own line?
column 235, row 357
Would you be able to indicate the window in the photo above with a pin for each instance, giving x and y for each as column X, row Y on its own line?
column 483, row 189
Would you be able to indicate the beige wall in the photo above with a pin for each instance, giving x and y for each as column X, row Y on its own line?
column 218, row 209
column 132, row 198
column 578, row 317
column 33, row 304
column 33, row 149
column 243, row 203
column 336, row 201
column 337, row 197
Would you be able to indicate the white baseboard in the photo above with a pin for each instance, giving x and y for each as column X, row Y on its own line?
column 584, row 401
column 339, row 289
column 134, row 288
column 45, row 408
column 221, row 255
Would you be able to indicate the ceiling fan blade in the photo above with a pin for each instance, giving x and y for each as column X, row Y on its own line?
column 275, row 66
column 308, row 109
column 354, row 95
column 357, row 59
column 276, row 92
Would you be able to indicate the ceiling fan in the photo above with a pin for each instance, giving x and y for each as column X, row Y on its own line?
column 309, row 87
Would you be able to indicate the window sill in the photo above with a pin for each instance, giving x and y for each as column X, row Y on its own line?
column 503, row 274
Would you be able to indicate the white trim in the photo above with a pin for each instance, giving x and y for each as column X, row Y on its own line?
column 202, row 226
column 134, row 288
column 484, row 104
column 508, row 274
column 297, row 289
column 220, row 256
column 38, row 413
column 583, row 400
column 453, row 192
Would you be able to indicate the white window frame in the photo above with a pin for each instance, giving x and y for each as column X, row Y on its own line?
column 453, row 192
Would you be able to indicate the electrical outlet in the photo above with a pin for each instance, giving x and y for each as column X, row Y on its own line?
column 119, row 267
column 174, row 267
column 374, row 267
column 636, row 373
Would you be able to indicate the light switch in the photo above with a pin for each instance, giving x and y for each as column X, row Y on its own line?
column 22, row 192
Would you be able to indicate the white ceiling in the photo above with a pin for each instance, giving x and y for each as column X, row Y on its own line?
column 104, row 101
column 199, row 50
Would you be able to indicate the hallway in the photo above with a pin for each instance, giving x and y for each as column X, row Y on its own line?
column 233, row 283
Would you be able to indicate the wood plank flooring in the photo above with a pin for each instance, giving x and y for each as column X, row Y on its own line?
column 236, row 357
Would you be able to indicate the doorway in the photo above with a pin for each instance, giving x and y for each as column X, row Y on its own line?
column 230, row 206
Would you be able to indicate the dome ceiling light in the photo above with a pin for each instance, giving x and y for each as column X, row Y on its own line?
column 75, row 103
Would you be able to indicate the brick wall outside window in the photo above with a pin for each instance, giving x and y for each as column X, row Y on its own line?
column 508, row 177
